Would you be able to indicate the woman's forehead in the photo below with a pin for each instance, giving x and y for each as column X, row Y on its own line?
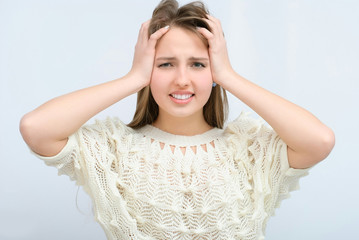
column 181, row 40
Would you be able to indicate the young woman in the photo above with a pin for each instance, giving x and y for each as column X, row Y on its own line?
column 174, row 172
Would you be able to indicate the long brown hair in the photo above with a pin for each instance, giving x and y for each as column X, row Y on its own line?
column 189, row 17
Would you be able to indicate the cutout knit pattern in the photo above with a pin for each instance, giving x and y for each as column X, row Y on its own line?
column 149, row 184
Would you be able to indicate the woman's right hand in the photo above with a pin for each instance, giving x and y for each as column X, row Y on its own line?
column 145, row 53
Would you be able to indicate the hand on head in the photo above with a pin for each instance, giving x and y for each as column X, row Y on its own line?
column 145, row 53
column 220, row 64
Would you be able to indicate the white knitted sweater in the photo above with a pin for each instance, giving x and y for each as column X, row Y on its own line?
column 149, row 184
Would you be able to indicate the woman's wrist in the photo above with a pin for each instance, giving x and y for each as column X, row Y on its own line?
column 137, row 81
column 229, row 80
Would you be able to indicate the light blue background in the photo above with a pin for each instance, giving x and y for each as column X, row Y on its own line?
column 306, row 51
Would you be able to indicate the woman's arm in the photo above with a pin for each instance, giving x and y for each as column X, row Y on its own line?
column 47, row 128
column 309, row 140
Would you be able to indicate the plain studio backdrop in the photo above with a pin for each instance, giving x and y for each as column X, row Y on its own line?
column 306, row 51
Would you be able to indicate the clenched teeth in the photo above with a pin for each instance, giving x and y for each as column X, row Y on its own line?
column 181, row 97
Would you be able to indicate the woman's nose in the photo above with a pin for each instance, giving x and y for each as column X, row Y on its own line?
column 182, row 77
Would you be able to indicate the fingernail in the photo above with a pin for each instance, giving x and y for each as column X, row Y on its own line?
column 166, row 27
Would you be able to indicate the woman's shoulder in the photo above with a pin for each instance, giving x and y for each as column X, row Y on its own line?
column 246, row 124
column 108, row 126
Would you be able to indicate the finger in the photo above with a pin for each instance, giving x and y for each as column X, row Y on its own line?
column 216, row 30
column 210, row 17
column 157, row 35
column 142, row 36
column 215, row 25
column 206, row 33
column 215, row 21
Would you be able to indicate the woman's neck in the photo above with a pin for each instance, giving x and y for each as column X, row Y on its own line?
column 186, row 126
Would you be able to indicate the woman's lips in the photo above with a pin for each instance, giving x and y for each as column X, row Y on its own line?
column 181, row 98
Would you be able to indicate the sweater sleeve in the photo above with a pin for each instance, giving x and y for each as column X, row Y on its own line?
column 264, row 156
column 67, row 160
column 92, row 145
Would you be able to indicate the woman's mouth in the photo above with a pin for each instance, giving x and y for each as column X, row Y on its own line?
column 181, row 98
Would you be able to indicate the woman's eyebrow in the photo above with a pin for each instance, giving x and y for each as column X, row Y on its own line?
column 165, row 58
column 198, row 59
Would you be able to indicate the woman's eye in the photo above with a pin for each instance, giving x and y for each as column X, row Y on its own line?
column 165, row 65
column 198, row 65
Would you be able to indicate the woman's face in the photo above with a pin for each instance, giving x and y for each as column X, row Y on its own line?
column 181, row 80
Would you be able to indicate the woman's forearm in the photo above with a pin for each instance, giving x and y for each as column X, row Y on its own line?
column 308, row 139
column 47, row 128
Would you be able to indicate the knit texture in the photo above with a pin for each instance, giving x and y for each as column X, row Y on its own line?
column 149, row 184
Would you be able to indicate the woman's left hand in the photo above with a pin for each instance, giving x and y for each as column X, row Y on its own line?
column 220, row 65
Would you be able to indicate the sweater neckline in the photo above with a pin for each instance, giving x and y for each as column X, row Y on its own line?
column 180, row 140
